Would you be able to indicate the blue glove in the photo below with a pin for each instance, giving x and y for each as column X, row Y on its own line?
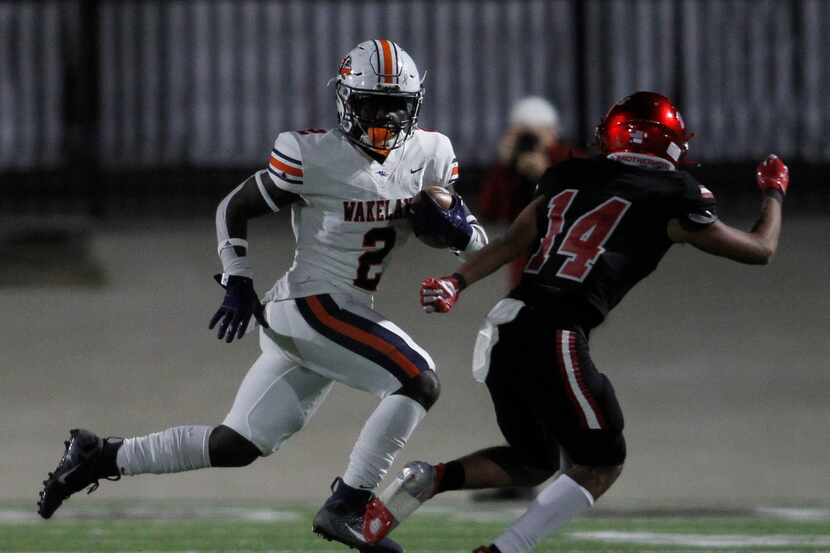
column 442, row 227
column 239, row 304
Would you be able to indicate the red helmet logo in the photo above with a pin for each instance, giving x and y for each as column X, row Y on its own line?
column 346, row 66
column 647, row 124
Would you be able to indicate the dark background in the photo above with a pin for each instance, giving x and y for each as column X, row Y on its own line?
column 144, row 107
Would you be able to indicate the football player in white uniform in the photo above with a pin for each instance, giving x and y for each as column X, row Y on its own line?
column 349, row 190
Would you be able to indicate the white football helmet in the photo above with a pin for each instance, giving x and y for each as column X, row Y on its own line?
column 379, row 93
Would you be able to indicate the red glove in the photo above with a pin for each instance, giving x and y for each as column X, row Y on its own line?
column 440, row 294
column 773, row 176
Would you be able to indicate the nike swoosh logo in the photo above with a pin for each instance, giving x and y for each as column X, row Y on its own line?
column 413, row 171
column 62, row 477
column 356, row 534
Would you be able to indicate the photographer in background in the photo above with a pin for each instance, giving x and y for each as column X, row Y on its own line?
column 529, row 146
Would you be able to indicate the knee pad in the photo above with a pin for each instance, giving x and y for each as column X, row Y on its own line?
column 227, row 448
column 424, row 388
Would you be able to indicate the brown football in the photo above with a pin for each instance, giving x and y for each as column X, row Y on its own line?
column 440, row 194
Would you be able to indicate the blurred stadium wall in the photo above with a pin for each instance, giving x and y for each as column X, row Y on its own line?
column 131, row 104
column 123, row 122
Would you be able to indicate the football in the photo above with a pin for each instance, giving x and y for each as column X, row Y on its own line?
column 428, row 199
column 441, row 195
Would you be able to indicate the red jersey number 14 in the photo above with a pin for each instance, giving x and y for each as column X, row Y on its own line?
column 583, row 243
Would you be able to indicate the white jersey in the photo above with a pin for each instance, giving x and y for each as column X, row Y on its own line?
column 353, row 209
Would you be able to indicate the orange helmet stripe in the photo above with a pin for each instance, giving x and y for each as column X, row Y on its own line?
column 388, row 70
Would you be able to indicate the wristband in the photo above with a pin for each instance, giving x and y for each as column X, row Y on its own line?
column 462, row 282
column 774, row 193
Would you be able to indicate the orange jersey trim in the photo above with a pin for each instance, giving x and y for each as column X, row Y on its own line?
column 276, row 164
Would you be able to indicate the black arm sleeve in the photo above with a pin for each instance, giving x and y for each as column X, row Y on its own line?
column 248, row 201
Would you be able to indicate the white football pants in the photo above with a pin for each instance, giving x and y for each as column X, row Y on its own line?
column 311, row 343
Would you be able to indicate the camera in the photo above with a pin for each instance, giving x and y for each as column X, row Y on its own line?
column 525, row 142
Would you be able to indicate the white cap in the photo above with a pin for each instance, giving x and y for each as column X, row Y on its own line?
column 534, row 111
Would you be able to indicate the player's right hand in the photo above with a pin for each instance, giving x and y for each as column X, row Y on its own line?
column 439, row 294
column 773, row 176
column 240, row 303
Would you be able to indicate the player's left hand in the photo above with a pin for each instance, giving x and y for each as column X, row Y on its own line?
column 240, row 303
column 772, row 175
column 439, row 294
column 450, row 224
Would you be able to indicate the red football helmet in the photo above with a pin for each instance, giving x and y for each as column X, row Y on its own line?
column 645, row 125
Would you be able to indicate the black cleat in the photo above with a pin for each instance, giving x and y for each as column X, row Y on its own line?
column 341, row 519
column 486, row 549
column 78, row 468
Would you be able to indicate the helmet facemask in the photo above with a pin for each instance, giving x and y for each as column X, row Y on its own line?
column 379, row 120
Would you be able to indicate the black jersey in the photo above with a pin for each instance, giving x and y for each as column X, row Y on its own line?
column 602, row 229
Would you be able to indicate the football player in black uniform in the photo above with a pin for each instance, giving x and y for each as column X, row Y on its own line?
column 597, row 228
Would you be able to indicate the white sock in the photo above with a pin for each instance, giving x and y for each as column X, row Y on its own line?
column 173, row 450
column 559, row 502
column 383, row 435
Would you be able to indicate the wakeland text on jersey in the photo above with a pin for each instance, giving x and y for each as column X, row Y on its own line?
column 369, row 211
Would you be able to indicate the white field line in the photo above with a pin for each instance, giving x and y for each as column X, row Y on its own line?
column 795, row 513
column 704, row 540
column 457, row 512
column 11, row 516
column 16, row 516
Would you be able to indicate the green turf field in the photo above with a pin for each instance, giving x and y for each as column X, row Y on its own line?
column 191, row 528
